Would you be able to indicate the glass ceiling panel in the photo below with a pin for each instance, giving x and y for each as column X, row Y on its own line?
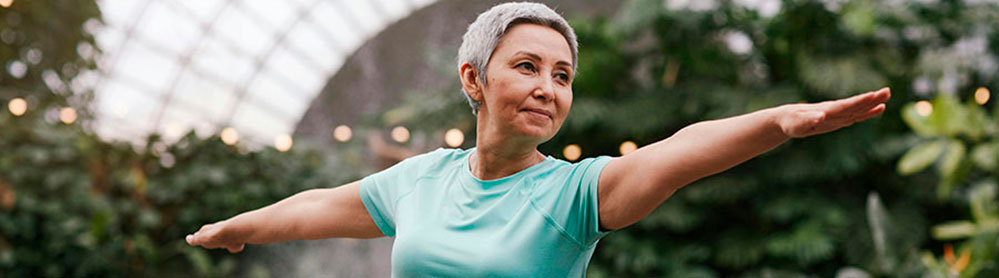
column 255, row 122
column 171, row 66
column 150, row 69
column 212, row 98
column 109, row 43
column 328, row 16
column 265, row 91
column 203, row 9
column 120, row 13
column 278, row 13
column 125, row 103
column 363, row 9
column 172, row 34
column 322, row 52
column 294, row 69
column 219, row 60
column 249, row 36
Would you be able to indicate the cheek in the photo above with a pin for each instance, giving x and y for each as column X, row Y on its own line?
column 564, row 102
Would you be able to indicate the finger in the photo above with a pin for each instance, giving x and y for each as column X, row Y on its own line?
column 884, row 94
column 200, row 239
column 189, row 239
column 877, row 110
column 860, row 103
column 868, row 100
column 236, row 249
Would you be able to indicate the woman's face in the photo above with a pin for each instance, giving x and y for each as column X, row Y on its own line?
column 529, row 82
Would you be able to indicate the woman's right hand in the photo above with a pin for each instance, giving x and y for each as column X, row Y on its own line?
column 211, row 236
column 311, row 214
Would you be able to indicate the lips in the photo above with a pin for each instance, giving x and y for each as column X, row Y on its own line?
column 539, row 112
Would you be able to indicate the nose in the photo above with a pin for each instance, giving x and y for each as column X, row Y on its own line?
column 545, row 91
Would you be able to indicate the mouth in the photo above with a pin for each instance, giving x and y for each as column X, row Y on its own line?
column 538, row 112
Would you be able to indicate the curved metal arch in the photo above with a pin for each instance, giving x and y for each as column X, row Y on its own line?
column 238, row 92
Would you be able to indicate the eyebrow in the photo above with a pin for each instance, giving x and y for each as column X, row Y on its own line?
column 536, row 57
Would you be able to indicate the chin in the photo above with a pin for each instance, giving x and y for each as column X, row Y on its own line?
column 542, row 135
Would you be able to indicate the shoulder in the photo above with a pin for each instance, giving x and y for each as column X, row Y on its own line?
column 400, row 176
column 585, row 166
column 434, row 161
column 561, row 175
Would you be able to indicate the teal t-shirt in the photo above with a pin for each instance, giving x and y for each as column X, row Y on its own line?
column 540, row 222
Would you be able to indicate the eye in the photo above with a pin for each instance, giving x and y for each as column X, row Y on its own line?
column 562, row 76
column 527, row 66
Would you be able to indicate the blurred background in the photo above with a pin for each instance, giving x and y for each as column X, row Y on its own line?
column 128, row 124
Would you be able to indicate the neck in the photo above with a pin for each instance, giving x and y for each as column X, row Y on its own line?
column 498, row 155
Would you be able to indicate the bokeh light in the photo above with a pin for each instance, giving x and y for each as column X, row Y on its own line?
column 283, row 142
column 982, row 95
column 572, row 152
column 229, row 136
column 454, row 137
column 342, row 133
column 17, row 106
column 400, row 134
column 924, row 108
column 627, row 147
column 67, row 115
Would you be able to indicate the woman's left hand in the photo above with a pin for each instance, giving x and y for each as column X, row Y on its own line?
column 802, row 120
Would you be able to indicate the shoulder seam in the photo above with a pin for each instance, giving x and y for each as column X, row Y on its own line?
column 558, row 227
column 423, row 175
column 412, row 188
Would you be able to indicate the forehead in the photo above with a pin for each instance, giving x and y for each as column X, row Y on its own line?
column 541, row 40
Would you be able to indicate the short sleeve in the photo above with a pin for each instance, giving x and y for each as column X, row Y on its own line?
column 570, row 197
column 380, row 192
column 589, row 213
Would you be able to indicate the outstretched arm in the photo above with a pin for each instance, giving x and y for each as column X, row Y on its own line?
column 631, row 186
column 311, row 214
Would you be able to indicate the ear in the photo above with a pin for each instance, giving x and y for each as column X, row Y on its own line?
column 470, row 81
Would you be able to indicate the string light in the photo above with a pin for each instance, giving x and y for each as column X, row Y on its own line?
column 454, row 137
column 400, row 134
column 924, row 108
column 627, row 147
column 67, row 115
column 17, row 106
column 283, row 142
column 982, row 95
column 229, row 136
column 342, row 133
column 572, row 152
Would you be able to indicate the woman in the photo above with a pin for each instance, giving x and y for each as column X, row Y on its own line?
column 503, row 208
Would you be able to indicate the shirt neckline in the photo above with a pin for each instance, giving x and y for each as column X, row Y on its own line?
column 487, row 184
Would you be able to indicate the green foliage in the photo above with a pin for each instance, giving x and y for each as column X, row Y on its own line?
column 948, row 128
column 81, row 207
column 54, row 43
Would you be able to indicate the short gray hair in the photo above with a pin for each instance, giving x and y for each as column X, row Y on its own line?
column 484, row 34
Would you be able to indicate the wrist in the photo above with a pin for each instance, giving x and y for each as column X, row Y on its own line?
column 231, row 230
column 776, row 119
